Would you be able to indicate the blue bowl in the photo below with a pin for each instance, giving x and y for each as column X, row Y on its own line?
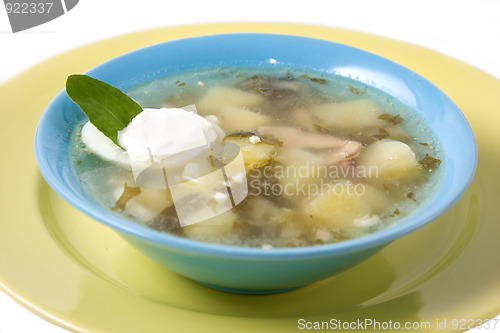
column 255, row 270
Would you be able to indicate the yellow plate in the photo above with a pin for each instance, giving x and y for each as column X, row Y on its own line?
column 80, row 275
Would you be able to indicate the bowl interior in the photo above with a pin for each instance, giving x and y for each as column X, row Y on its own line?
column 59, row 120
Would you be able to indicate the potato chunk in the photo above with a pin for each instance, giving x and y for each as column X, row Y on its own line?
column 338, row 206
column 255, row 152
column 378, row 201
column 389, row 159
column 263, row 213
column 217, row 97
column 301, row 117
column 357, row 114
column 300, row 173
column 213, row 227
column 236, row 118
column 149, row 203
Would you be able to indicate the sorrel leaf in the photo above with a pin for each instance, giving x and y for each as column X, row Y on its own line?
column 107, row 108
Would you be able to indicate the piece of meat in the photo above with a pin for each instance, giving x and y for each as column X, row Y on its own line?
column 334, row 150
column 294, row 137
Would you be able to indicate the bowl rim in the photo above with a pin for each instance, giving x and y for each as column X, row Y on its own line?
column 175, row 243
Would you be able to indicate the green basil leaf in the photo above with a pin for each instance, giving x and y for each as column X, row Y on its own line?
column 107, row 108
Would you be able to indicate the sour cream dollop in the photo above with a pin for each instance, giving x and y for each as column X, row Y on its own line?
column 153, row 134
column 159, row 133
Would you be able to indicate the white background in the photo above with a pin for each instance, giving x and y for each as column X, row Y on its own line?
column 465, row 29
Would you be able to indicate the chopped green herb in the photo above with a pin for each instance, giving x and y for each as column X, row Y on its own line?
column 129, row 192
column 319, row 80
column 411, row 196
column 382, row 134
column 243, row 134
column 390, row 118
column 107, row 108
column 423, row 144
column 182, row 84
column 396, row 212
column 269, row 139
column 323, row 130
column 356, row 90
column 429, row 162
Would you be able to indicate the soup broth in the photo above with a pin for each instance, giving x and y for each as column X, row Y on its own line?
column 326, row 158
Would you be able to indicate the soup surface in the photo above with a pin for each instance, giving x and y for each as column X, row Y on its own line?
column 323, row 159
